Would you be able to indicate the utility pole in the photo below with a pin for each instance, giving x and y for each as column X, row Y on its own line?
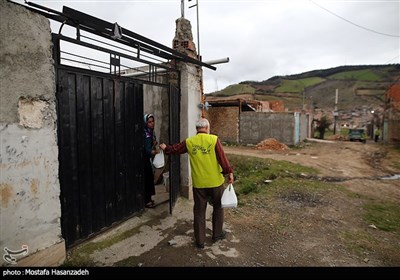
column 335, row 113
column 198, row 32
column 199, row 58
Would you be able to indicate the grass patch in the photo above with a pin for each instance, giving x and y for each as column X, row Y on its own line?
column 78, row 260
column 385, row 216
column 252, row 172
column 80, row 255
column 235, row 89
column 298, row 85
column 364, row 244
column 396, row 165
column 395, row 151
column 358, row 242
column 132, row 261
column 362, row 75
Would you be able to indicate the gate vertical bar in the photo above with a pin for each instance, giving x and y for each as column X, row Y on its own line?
column 109, row 151
column 174, row 125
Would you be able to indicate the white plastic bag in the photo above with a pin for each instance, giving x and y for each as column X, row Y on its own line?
column 158, row 161
column 229, row 198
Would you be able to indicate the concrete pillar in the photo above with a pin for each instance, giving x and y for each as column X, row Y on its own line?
column 190, row 84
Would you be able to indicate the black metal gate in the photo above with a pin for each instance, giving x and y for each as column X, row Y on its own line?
column 100, row 132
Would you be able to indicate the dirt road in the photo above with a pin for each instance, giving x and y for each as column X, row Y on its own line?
column 329, row 231
column 302, row 228
column 332, row 158
column 355, row 165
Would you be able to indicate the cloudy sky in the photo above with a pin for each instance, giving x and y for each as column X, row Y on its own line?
column 264, row 38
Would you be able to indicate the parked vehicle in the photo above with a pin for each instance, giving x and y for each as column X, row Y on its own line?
column 357, row 134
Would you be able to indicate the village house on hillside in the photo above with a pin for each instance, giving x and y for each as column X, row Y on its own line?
column 248, row 121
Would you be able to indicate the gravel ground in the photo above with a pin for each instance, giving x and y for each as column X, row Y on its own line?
column 295, row 229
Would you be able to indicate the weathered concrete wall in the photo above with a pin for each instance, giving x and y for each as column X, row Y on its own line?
column 155, row 101
column 224, row 122
column 26, row 46
column 255, row 127
column 304, row 126
column 29, row 187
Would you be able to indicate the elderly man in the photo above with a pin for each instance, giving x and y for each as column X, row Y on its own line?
column 209, row 165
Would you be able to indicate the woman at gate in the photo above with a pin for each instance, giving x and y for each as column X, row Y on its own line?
column 150, row 150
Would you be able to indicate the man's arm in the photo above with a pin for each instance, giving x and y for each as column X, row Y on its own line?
column 175, row 149
column 223, row 161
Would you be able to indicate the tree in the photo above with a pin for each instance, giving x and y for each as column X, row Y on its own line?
column 323, row 124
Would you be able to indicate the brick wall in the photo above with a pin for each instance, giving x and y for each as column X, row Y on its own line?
column 224, row 122
column 393, row 115
column 277, row 106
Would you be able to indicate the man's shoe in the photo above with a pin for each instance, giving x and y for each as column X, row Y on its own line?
column 200, row 246
column 219, row 237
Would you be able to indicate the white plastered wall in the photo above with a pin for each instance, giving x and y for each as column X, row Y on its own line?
column 30, row 209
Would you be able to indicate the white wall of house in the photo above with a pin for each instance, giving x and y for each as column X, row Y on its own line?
column 30, row 208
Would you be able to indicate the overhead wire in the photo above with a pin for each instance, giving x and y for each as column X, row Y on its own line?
column 355, row 24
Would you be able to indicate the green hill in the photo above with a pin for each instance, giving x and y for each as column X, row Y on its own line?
column 357, row 86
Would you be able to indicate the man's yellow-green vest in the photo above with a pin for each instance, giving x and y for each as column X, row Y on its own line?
column 201, row 150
